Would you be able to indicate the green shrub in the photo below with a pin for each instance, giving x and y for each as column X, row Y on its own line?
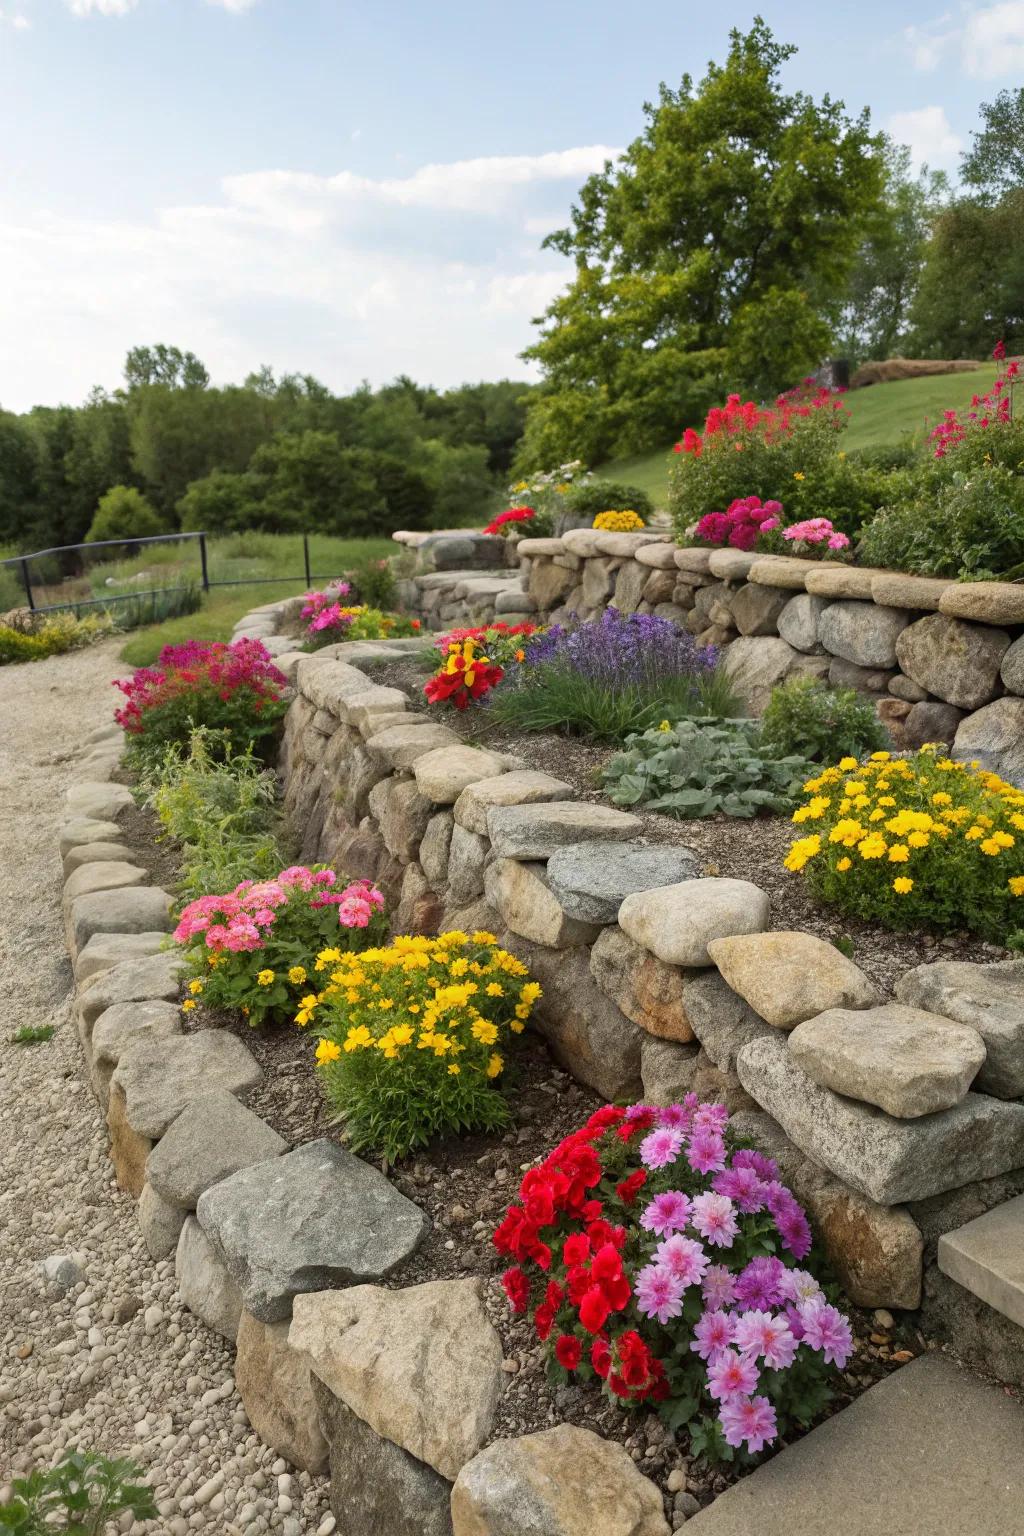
column 703, row 767
column 593, row 496
column 51, row 636
column 373, row 583
column 806, row 719
column 123, row 513
column 224, row 815
column 970, row 526
column 81, row 1496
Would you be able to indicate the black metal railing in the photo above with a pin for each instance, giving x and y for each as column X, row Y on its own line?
column 72, row 566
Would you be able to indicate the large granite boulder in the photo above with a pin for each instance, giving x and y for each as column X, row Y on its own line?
column 534, row 831
column 521, row 787
column 310, row 1220
column 130, row 981
column 276, row 1388
column 862, row 633
column 205, row 1283
column 646, row 989
column 565, row 1481
column 134, row 909
column 523, row 896
column 957, row 662
column 906, row 1061
column 591, row 880
column 420, row 1365
column 789, row 976
column 995, row 737
column 989, row 998
column 212, row 1138
column 160, row 1077
column 891, row 1161
column 721, row 1020
column 677, row 922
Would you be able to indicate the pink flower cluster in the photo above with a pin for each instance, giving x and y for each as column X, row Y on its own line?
column 200, row 668
column 816, row 530
column 316, row 602
column 746, row 518
column 242, row 920
column 992, row 409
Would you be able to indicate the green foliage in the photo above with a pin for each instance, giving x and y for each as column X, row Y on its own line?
column 164, row 365
column 970, row 526
column 704, row 768
column 123, row 513
column 698, row 255
column 223, row 814
column 557, row 697
column 33, row 1034
column 373, row 582
column 994, row 164
column 81, row 1496
column 219, row 502
column 593, row 496
column 971, row 292
column 805, row 719
column 51, row 636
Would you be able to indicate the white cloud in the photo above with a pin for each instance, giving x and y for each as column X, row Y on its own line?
column 16, row 20
column 238, row 6
column 101, row 7
column 994, row 41
column 989, row 41
column 435, row 274
column 929, row 134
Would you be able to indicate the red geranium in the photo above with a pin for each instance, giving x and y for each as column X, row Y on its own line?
column 510, row 516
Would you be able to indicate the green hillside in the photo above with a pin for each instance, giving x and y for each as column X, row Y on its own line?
column 882, row 413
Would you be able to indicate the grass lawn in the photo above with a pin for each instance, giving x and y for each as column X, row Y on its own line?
column 250, row 560
column 882, row 413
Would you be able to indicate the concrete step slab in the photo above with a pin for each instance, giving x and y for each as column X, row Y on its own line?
column 986, row 1257
column 930, row 1449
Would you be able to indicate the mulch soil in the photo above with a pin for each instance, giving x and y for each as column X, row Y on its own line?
column 745, row 850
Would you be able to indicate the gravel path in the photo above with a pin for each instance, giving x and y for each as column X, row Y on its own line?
column 116, row 1363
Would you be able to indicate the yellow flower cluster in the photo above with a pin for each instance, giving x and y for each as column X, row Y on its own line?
column 447, row 998
column 955, row 831
column 619, row 522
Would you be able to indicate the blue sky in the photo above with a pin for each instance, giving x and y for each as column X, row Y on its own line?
column 359, row 190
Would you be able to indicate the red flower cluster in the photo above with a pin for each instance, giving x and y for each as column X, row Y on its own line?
column 216, row 671
column 509, row 516
column 595, row 1281
column 739, row 418
column 466, row 675
column 992, row 409
column 741, row 525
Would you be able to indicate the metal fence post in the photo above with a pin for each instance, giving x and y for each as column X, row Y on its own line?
column 202, row 561
column 305, row 556
column 28, row 584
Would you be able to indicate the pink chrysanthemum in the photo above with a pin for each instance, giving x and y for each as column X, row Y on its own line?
column 666, row 1213
column 660, row 1148
column 706, row 1152
column 659, row 1293
column 731, row 1375
column 749, row 1422
column 684, row 1257
column 713, row 1333
column 714, row 1217
column 718, row 1287
column 766, row 1337
column 827, row 1330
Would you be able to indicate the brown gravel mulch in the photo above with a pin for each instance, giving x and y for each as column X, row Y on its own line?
column 747, row 850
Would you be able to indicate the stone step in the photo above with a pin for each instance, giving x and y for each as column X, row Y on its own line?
column 930, row 1449
column 986, row 1257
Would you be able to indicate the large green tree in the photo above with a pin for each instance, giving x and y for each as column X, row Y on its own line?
column 699, row 255
column 995, row 162
column 971, row 293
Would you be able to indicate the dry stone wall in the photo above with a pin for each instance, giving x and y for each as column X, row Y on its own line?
column 944, row 660
column 658, row 982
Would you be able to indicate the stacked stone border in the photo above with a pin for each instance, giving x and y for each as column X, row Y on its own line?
column 943, row 659
column 656, row 982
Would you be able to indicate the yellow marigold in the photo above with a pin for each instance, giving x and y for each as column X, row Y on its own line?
column 494, row 1065
column 990, row 846
column 902, row 885
column 188, row 1005
column 484, row 1031
column 899, row 853
column 265, row 978
column 454, row 1069
column 941, row 798
column 195, row 987
column 846, row 763
column 626, row 521
column 494, row 989
column 844, row 864
column 1003, row 839
column 803, row 849
column 973, row 833
column 918, row 839
column 881, row 757
column 297, row 975
column 664, row 725
column 358, row 1038
column 872, row 847
column 853, row 787
column 326, row 1051
column 1016, row 884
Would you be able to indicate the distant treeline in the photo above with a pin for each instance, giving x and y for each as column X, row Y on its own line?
column 282, row 454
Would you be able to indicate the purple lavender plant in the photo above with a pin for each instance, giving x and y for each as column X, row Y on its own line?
column 625, row 649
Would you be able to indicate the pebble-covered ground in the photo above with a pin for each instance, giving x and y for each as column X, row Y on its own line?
column 115, row 1363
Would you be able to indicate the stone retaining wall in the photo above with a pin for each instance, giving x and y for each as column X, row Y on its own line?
column 944, row 659
column 658, row 982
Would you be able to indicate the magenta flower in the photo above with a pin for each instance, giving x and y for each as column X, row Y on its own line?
column 827, row 1330
column 676, row 1116
column 718, row 1287
column 731, row 1375
column 743, row 1186
column 683, row 1257
column 748, row 1421
column 710, row 1117
column 714, row 1217
column 713, row 1333
column 795, row 1231
column 766, row 1337
column 659, row 1293
column 763, row 1166
column 666, row 1213
column 661, row 1147
column 706, row 1152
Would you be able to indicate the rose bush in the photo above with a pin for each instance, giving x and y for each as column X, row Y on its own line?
column 250, row 949
column 655, row 1254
